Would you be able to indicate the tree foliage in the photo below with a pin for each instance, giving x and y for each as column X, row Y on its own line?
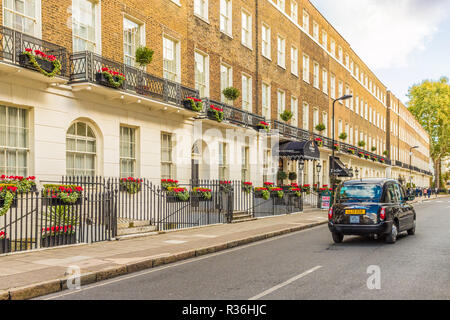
column 430, row 104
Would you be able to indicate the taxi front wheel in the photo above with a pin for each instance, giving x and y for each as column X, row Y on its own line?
column 337, row 237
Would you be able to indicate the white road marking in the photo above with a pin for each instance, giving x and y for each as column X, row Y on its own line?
column 175, row 241
column 281, row 285
column 173, row 265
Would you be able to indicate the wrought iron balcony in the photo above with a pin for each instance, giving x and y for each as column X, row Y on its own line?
column 290, row 131
column 85, row 65
column 14, row 43
column 233, row 115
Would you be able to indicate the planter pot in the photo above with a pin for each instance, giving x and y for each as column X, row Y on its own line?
column 25, row 61
column 13, row 204
column 187, row 105
column 59, row 202
column 173, row 199
column 5, row 246
column 124, row 189
column 101, row 79
column 58, row 240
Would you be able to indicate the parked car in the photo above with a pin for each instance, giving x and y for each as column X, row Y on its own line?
column 371, row 207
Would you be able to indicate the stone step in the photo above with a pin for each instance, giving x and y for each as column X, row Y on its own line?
column 125, row 223
column 134, row 230
column 243, row 220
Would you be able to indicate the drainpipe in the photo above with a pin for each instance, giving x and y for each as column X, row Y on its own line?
column 257, row 58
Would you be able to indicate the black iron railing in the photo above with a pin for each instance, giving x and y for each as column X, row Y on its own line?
column 13, row 43
column 233, row 115
column 85, row 65
column 290, row 131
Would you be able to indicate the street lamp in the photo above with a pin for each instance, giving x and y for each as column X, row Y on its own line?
column 348, row 96
column 301, row 165
column 410, row 171
column 318, row 168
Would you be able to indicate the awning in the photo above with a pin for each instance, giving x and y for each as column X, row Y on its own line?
column 306, row 150
column 340, row 169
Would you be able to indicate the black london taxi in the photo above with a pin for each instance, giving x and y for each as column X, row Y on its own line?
column 371, row 207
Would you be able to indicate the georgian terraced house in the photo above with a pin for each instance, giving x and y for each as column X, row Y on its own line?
column 281, row 55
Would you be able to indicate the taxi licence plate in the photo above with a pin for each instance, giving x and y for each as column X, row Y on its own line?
column 355, row 211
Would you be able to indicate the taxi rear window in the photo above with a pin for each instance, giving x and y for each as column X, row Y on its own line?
column 360, row 192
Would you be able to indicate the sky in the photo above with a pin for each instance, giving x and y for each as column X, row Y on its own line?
column 402, row 41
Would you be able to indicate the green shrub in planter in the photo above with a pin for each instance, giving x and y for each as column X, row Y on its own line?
column 231, row 93
column 144, row 56
column 361, row 143
column 343, row 136
column 281, row 175
column 292, row 176
column 320, row 127
column 286, row 115
column 374, row 149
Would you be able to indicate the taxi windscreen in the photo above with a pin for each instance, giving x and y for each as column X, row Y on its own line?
column 359, row 192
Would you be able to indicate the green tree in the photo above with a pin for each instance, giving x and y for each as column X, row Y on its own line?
column 430, row 104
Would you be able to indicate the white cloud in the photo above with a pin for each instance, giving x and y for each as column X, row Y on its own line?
column 385, row 32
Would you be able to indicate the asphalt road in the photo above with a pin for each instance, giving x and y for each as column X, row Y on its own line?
column 302, row 265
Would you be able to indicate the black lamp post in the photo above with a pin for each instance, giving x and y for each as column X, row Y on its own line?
column 301, row 165
column 318, row 168
column 332, row 145
column 410, row 171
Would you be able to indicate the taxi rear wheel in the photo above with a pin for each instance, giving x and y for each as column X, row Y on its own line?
column 337, row 237
column 392, row 237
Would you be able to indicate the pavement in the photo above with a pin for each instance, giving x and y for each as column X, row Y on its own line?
column 26, row 275
column 305, row 265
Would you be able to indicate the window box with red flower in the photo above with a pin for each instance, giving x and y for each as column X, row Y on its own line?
column 169, row 183
column 319, row 142
column 306, row 188
column 193, row 104
column 37, row 60
column 55, row 194
column 130, row 185
column 336, row 146
column 367, row 156
column 177, row 194
column 203, row 194
column 225, row 186
column 215, row 113
column 58, row 236
column 351, row 150
column 110, row 78
column 374, row 158
column 247, row 187
column 361, row 154
column 382, row 160
column 5, row 243
column 296, row 191
column 262, row 193
column 263, row 125
column 8, row 197
column 24, row 185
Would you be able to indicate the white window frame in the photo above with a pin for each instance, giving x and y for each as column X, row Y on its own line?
column 229, row 82
column 305, row 116
column 281, row 102
column 316, row 71
column 247, row 93
column 177, row 52
column 37, row 19
column 332, row 86
column 141, row 30
column 97, row 42
column 198, row 84
column 306, row 68
column 305, row 21
column 201, row 9
column 325, row 39
column 315, row 30
column 131, row 158
column 6, row 148
column 294, row 60
column 281, row 51
column 265, row 90
column 246, row 32
column 325, row 81
column 226, row 17
column 265, row 41
column 169, row 162
column 294, row 11
column 294, row 110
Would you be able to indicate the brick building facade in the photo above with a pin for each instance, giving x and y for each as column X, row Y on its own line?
column 281, row 55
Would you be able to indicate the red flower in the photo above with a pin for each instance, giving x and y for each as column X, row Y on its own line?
column 28, row 50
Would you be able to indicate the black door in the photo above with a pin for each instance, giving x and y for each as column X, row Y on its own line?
column 194, row 172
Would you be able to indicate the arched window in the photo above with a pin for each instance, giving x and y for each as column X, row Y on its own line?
column 80, row 150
